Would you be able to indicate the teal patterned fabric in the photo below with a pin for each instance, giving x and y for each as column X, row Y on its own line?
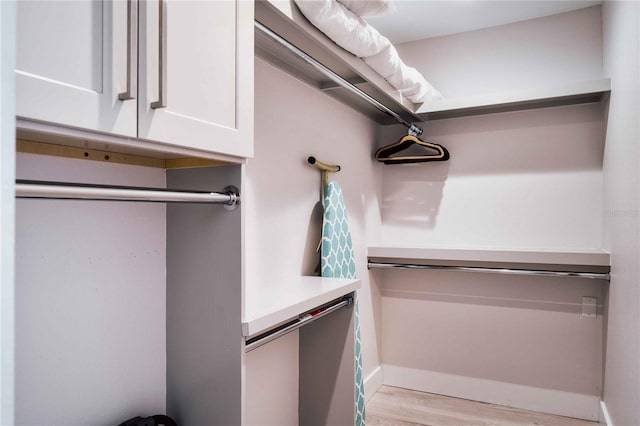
column 338, row 262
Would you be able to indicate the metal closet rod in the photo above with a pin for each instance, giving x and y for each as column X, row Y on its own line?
column 74, row 191
column 591, row 275
column 264, row 338
column 335, row 77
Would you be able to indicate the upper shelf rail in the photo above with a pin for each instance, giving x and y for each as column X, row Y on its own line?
column 334, row 77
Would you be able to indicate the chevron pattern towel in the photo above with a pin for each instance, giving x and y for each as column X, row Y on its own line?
column 338, row 262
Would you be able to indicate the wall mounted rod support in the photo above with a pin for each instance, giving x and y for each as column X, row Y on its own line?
column 323, row 166
column 73, row 191
column 591, row 275
column 334, row 77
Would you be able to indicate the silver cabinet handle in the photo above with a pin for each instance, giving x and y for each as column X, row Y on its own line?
column 162, row 59
column 132, row 52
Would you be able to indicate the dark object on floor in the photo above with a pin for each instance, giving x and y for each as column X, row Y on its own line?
column 156, row 420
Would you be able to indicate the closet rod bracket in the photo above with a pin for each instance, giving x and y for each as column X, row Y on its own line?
column 415, row 130
column 349, row 300
column 234, row 198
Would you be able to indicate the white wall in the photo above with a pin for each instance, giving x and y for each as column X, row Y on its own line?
column 523, row 55
column 535, row 173
column 7, row 209
column 508, row 340
column 282, row 192
column 90, row 299
column 528, row 179
column 621, row 187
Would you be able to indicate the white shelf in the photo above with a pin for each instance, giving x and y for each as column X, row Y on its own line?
column 597, row 261
column 566, row 94
column 272, row 305
column 284, row 18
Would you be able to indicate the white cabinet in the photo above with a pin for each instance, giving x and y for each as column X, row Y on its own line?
column 207, row 71
column 188, row 66
column 71, row 64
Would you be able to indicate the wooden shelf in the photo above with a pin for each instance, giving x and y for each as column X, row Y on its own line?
column 588, row 261
column 272, row 305
column 567, row 94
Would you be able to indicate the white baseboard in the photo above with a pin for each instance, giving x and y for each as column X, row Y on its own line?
column 518, row 396
column 604, row 414
column 372, row 383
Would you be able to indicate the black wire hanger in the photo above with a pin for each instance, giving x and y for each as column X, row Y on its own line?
column 433, row 151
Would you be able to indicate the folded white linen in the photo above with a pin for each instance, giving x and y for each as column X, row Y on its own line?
column 348, row 30
column 370, row 7
column 407, row 80
column 355, row 35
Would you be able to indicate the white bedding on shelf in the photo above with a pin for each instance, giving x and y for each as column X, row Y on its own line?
column 354, row 34
column 370, row 7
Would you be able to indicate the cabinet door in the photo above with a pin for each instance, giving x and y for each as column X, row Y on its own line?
column 71, row 64
column 196, row 74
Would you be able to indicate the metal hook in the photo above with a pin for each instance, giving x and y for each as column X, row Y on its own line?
column 325, row 168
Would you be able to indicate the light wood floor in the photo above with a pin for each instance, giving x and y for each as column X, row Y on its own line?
column 401, row 407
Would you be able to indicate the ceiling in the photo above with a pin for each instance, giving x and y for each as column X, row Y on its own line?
column 420, row 19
